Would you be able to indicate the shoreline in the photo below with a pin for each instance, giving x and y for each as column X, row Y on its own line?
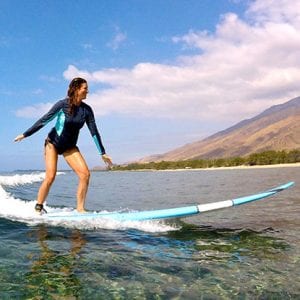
column 291, row 165
column 242, row 167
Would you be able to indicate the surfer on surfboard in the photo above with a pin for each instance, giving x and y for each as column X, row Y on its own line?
column 71, row 114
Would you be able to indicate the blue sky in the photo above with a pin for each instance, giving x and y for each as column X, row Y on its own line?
column 161, row 73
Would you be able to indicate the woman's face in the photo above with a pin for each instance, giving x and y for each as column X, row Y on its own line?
column 82, row 92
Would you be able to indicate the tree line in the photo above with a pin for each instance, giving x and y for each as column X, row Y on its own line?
column 263, row 158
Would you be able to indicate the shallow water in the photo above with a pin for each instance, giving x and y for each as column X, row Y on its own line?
column 248, row 252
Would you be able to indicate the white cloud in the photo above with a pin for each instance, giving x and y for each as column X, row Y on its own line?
column 275, row 11
column 87, row 46
column 243, row 67
column 34, row 111
column 118, row 39
column 37, row 92
column 51, row 79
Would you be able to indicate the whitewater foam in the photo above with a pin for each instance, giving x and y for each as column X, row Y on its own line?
column 21, row 179
column 23, row 211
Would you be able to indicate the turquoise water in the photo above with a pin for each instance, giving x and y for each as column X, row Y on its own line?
column 248, row 252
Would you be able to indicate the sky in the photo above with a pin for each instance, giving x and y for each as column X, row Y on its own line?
column 161, row 73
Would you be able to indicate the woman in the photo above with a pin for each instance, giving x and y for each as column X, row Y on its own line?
column 71, row 113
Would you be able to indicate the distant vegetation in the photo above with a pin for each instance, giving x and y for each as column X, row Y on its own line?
column 263, row 158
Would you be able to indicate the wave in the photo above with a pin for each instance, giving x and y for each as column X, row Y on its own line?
column 23, row 211
column 21, row 179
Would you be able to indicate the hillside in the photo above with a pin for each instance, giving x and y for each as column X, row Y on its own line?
column 277, row 128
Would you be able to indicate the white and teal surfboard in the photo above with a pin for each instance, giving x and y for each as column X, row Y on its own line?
column 170, row 213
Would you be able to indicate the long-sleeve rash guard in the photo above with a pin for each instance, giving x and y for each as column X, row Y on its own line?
column 64, row 135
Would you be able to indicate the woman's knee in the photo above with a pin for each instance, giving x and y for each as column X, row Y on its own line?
column 49, row 178
column 84, row 175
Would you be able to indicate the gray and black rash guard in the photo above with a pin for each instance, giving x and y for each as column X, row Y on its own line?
column 64, row 135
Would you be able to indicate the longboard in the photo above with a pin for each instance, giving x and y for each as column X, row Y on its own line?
column 170, row 213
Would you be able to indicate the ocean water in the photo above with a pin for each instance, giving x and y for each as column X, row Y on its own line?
column 246, row 252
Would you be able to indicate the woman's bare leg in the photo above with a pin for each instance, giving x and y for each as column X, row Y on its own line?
column 78, row 164
column 51, row 167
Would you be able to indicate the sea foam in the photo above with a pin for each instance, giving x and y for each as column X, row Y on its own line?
column 23, row 211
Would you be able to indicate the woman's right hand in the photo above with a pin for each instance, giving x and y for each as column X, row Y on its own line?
column 107, row 159
column 19, row 138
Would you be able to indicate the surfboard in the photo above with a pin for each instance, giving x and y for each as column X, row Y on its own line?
column 170, row 213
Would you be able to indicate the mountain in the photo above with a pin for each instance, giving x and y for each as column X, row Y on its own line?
column 277, row 128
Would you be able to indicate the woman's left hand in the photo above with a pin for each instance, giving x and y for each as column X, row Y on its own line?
column 107, row 160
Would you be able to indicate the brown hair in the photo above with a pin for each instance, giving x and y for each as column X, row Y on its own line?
column 74, row 85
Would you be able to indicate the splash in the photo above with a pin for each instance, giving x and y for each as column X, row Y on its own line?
column 23, row 211
column 110, row 224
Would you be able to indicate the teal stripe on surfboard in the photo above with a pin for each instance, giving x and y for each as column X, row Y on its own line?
column 179, row 212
